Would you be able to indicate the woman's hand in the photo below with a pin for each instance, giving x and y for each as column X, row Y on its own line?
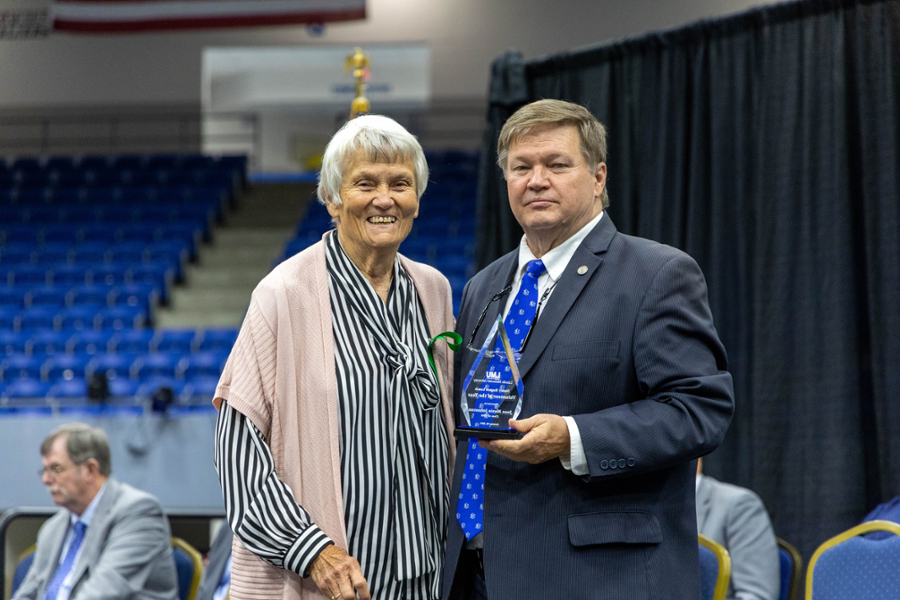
column 338, row 575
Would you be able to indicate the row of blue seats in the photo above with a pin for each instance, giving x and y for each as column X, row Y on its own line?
column 128, row 365
column 214, row 196
column 95, row 162
column 33, row 393
column 9, row 180
column 81, row 316
column 202, row 214
column 160, row 273
column 61, row 296
column 89, row 341
column 146, row 233
column 173, row 251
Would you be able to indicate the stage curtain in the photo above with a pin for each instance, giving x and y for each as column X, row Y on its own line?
column 767, row 146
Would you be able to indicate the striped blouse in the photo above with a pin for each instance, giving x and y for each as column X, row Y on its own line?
column 393, row 448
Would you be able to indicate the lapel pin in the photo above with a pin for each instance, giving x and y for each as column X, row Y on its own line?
column 582, row 270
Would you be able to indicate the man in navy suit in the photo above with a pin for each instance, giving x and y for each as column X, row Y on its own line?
column 625, row 384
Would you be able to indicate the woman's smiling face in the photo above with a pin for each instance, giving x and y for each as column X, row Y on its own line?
column 378, row 205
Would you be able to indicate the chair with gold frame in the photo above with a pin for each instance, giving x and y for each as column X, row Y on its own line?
column 189, row 567
column 791, row 571
column 715, row 569
column 851, row 566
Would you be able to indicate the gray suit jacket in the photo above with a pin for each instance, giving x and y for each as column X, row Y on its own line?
column 736, row 518
column 626, row 345
column 126, row 553
column 219, row 553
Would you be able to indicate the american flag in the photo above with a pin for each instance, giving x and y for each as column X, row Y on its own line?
column 121, row 16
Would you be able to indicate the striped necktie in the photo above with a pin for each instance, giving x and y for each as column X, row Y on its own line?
column 470, row 506
column 67, row 562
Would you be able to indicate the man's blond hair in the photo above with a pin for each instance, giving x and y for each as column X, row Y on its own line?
column 556, row 113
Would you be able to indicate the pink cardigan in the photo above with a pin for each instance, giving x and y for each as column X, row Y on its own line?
column 280, row 374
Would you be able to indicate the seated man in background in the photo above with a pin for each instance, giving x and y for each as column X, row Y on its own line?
column 216, row 581
column 736, row 518
column 109, row 541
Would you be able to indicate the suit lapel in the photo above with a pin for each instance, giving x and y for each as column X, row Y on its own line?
column 93, row 537
column 588, row 255
column 55, row 538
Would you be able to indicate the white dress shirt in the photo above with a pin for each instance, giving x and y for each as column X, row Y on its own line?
column 556, row 261
column 86, row 517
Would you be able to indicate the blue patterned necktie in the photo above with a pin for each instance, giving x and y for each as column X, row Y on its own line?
column 67, row 562
column 470, row 507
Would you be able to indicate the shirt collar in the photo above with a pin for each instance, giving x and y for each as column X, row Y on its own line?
column 557, row 259
column 88, row 514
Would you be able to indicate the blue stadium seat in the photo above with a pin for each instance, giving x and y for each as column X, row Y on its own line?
column 201, row 387
column 174, row 340
column 163, row 161
column 48, row 341
column 126, row 162
column 121, row 387
column 52, row 252
column 13, row 342
column 62, row 234
column 60, row 163
column 106, row 232
column 21, row 366
column 13, row 296
column 94, row 293
column 122, row 317
column 38, row 317
column 160, row 275
column 81, row 316
column 158, row 364
column 143, row 295
column 28, row 275
column 75, row 387
column 215, row 339
column 91, row 252
column 26, row 388
column 139, row 341
column 70, row 274
column 8, row 317
column 204, row 364
column 149, row 385
column 110, row 273
column 12, row 232
column 47, row 295
column 129, row 251
column 114, row 366
column 16, row 253
column 90, row 341
column 66, row 366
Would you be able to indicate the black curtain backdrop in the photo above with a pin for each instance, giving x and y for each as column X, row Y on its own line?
column 767, row 146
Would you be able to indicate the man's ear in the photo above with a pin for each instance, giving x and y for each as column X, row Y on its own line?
column 93, row 467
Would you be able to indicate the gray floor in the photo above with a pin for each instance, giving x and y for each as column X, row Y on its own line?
column 217, row 288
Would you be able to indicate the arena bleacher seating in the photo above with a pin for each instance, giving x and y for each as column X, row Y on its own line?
column 89, row 248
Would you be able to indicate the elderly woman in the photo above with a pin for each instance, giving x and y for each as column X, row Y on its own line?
column 332, row 442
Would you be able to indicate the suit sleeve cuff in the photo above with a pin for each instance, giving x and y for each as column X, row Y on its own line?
column 576, row 461
column 305, row 549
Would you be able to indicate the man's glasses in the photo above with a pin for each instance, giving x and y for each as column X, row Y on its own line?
column 491, row 352
column 52, row 470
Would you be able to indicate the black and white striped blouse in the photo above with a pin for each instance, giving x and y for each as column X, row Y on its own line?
column 393, row 448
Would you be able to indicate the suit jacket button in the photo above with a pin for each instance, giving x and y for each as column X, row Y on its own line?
column 604, row 464
column 621, row 463
column 630, row 462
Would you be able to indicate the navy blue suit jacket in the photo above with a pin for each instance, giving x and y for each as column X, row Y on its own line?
column 630, row 351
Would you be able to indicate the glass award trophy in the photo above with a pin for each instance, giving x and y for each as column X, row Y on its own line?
column 492, row 391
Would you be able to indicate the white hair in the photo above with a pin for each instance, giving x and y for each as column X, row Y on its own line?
column 379, row 139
